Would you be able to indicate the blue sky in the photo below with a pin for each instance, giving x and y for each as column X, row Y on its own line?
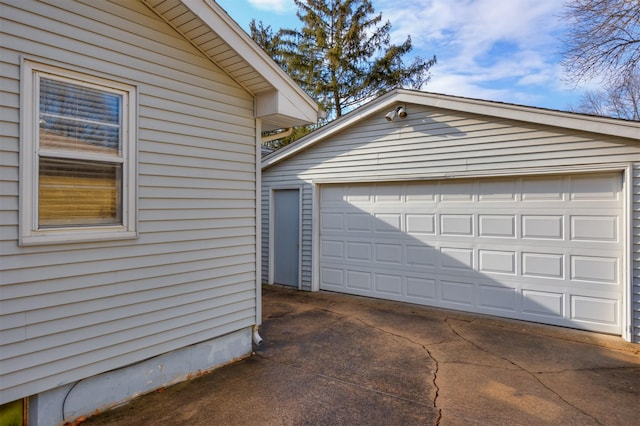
column 500, row 50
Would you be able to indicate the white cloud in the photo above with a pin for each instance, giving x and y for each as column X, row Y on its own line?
column 505, row 50
column 463, row 85
column 276, row 6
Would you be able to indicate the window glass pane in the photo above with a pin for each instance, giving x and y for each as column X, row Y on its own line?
column 79, row 193
column 78, row 118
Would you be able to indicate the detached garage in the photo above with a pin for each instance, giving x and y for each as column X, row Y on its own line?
column 464, row 204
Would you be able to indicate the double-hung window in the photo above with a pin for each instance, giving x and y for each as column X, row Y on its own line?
column 77, row 157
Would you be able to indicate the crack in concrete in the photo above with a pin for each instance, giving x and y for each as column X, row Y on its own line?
column 433, row 358
column 453, row 323
column 532, row 374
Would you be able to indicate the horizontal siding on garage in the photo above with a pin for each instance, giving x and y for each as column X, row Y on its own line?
column 71, row 311
column 635, row 223
column 434, row 143
column 440, row 145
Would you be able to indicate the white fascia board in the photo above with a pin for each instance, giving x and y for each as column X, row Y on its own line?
column 220, row 22
column 567, row 120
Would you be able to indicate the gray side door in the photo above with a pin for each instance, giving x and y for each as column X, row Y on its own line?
column 286, row 236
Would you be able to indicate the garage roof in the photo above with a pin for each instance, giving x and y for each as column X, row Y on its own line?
column 567, row 120
column 280, row 102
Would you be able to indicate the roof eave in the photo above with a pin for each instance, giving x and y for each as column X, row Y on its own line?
column 275, row 80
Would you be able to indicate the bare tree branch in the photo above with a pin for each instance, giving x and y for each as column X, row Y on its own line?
column 603, row 41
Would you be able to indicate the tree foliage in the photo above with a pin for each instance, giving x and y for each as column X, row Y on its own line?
column 604, row 43
column 342, row 55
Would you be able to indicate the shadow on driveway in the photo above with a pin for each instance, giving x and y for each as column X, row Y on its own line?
column 338, row 359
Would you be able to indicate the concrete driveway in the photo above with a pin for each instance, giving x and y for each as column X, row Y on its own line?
column 330, row 359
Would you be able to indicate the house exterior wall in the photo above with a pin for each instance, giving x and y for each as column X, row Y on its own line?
column 434, row 143
column 71, row 311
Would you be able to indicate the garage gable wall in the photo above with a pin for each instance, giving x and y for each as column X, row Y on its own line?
column 435, row 143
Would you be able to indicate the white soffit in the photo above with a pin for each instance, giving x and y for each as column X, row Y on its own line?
column 210, row 29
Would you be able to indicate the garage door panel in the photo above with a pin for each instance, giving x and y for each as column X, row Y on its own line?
column 421, row 289
column 497, row 261
column 457, row 292
column 388, row 283
column 497, row 190
column 388, row 193
column 456, row 224
column 359, row 280
column 542, row 227
column 595, row 310
column 332, row 249
column 420, row 192
column 595, row 188
column 498, row 297
column 359, row 193
column 595, row 228
column 491, row 225
column 388, row 222
column 420, row 224
column 456, row 192
column 359, row 251
column 548, row 265
column 332, row 278
column 456, row 258
column 421, row 255
column 596, row 269
column 358, row 222
column 543, row 189
column 546, row 249
column 331, row 222
column 389, row 253
column 543, row 303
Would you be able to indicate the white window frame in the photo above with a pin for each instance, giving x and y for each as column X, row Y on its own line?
column 30, row 234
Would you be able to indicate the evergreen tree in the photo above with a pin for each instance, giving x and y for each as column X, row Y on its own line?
column 342, row 56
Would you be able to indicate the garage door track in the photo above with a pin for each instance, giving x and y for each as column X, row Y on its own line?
column 338, row 359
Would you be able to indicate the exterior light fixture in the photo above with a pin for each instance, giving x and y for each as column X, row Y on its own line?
column 399, row 112
column 390, row 115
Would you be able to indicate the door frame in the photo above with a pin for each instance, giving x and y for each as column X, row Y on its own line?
column 271, row 266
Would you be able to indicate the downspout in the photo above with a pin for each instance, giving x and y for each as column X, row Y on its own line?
column 258, row 320
column 255, row 336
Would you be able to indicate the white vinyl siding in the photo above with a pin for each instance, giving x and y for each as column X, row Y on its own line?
column 433, row 143
column 69, row 311
column 634, row 223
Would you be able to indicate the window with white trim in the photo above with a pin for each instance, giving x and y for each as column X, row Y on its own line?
column 77, row 157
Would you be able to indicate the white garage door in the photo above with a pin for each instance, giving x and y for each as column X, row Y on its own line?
column 544, row 249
